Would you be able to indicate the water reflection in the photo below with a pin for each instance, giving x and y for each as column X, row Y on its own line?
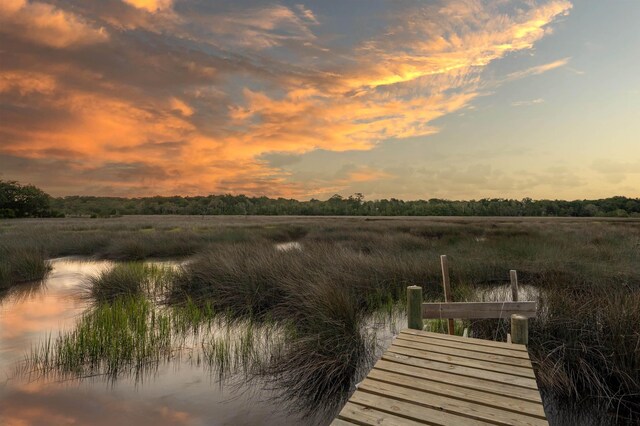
column 176, row 392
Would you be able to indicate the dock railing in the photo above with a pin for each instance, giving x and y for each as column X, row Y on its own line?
column 518, row 311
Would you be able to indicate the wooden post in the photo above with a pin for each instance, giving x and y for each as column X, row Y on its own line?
column 444, row 264
column 519, row 329
column 414, row 307
column 513, row 274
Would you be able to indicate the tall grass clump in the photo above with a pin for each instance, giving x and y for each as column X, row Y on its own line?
column 239, row 279
column 128, row 335
column 322, row 306
column 586, row 344
column 128, row 280
column 21, row 265
column 327, row 349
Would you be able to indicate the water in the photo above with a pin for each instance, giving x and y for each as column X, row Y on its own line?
column 176, row 393
column 291, row 245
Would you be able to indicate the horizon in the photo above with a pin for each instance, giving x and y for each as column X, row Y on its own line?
column 345, row 197
column 459, row 100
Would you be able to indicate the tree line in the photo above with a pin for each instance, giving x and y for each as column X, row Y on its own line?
column 28, row 201
column 354, row 205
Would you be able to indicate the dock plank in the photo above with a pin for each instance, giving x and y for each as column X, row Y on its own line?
column 468, row 345
column 438, row 379
column 411, row 411
column 420, row 353
column 473, row 340
column 361, row 414
column 466, row 408
column 487, row 386
column 459, row 392
column 460, row 352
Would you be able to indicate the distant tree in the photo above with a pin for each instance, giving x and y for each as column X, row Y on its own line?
column 18, row 200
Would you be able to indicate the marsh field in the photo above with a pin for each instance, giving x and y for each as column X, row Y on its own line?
column 275, row 319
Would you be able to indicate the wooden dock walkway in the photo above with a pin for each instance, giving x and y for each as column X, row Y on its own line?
column 439, row 379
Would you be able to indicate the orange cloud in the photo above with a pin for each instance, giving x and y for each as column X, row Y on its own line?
column 26, row 82
column 150, row 5
column 42, row 23
column 367, row 174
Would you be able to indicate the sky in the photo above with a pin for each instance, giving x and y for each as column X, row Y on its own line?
column 460, row 99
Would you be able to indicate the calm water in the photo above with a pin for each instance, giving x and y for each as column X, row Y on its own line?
column 177, row 393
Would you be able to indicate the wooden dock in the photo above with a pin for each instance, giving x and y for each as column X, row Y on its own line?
column 439, row 379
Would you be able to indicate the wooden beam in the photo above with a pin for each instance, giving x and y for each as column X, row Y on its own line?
column 414, row 301
column 513, row 274
column 444, row 264
column 478, row 309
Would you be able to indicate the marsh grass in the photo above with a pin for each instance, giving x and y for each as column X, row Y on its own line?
column 328, row 348
column 442, row 326
column 587, row 343
column 242, row 348
column 586, row 274
column 21, row 265
column 125, row 336
column 128, row 279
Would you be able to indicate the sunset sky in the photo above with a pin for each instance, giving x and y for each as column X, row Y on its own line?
column 406, row 99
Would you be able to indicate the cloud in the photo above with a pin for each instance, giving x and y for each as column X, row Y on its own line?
column 181, row 107
column 539, row 69
column 256, row 28
column 150, row 5
column 45, row 24
column 616, row 171
column 26, row 83
column 536, row 101
column 200, row 97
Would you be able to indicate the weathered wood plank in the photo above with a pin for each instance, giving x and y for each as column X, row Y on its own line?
column 465, row 345
column 461, row 370
column 401, row 340
column 474, row 310
column 413, row 350
column 454, row 391
column 411, row 411
column 513, row 277
column 473, row 383
column 449, row 405
column 340, row 422
column 479, row 342
column 361, row 414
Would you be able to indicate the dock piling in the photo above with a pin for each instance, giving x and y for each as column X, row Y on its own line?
column 519, row 329
column 414, row 307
